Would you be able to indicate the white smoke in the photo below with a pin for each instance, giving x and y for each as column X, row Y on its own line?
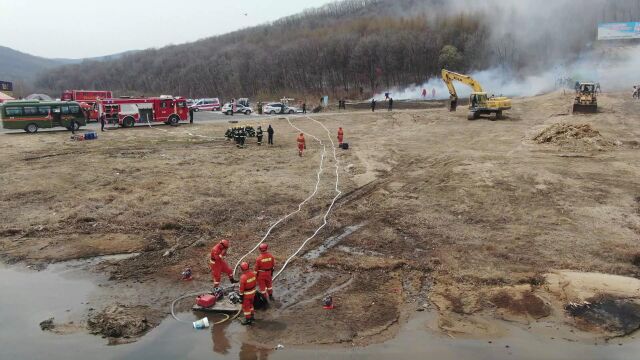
column 615, row 68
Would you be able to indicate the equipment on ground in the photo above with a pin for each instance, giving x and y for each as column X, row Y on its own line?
column 187, row 274
column 218, row 292
column 586, row 99
column 327, row 302
column 344, row 146
column 206, row 300
column 234, row 297
column 479, row 102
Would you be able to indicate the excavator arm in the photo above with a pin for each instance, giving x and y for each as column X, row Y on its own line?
column 449, row 76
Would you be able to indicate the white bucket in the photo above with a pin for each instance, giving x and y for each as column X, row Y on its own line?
column 201, row 324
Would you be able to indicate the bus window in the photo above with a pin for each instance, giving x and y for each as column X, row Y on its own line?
column 74, row 109
column 14, row 111
column 44, row 110
column 65, row 109
column 30, row 110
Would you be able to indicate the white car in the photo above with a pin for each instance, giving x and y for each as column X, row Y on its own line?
column 277, row 108
column 227, row 109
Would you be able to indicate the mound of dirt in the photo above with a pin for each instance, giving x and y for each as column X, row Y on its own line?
column 121, row 321
column 574, row 136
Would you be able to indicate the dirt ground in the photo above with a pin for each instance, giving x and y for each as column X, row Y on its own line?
column 468, row 216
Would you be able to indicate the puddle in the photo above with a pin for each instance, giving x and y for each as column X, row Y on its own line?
column 28, row 297
column 331, row 242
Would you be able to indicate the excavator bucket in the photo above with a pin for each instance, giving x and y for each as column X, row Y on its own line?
column 585, row 108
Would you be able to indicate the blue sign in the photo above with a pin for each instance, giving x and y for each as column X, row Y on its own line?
column 617, row 31
column 6, row 86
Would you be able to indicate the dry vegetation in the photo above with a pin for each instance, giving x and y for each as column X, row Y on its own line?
column 466, row 214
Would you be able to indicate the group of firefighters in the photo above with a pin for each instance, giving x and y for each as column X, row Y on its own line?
column 260, row 277
column 262, row 274
column 239, row 134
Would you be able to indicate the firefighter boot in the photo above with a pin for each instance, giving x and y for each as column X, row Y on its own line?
column 246, row 321
column 271, row 297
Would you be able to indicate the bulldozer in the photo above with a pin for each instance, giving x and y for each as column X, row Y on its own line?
column 586, row 100
column 479, row 102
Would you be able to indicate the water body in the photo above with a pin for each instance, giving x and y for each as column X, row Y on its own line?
column 61, row 291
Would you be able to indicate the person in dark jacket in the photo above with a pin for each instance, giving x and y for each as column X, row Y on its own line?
column 390, row 104
column 373, row 105
column 242, row 136
column 190, row 115
column 304, row 108
column 259, row 135
column 270, row 133
column 103, row 119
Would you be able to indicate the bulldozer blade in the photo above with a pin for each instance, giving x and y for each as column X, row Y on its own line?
column 579, row 108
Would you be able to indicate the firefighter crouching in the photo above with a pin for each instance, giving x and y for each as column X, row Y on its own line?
column 217, row 264
column 247, row 292
column 265, row 263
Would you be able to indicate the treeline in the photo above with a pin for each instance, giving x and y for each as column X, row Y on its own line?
column 351, row 48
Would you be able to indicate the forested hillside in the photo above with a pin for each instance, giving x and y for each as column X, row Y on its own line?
column 18, row 66
column 356, row 47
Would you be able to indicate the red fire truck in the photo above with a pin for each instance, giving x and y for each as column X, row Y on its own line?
column 127, row 112
column 87, row 96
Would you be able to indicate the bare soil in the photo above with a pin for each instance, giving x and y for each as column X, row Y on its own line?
column 466, row 215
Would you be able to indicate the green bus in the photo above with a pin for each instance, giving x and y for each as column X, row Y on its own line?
column 30, row 115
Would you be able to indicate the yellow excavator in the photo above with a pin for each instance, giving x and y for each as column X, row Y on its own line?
column 479, row 102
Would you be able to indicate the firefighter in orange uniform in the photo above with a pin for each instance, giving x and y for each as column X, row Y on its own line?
column 340, row 137
column 301, row 144
column 217, row 264
column 247, row 292
column 265, row 263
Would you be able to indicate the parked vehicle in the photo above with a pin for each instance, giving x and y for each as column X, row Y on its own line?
column 32, row 115
column 211, row 104
column 127, row 112
column 277, row 108
column 87, row 96
column 227, row 109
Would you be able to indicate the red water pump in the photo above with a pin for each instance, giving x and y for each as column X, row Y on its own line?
column 206, row 300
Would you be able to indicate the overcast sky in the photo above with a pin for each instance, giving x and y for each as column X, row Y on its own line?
column 88, row 28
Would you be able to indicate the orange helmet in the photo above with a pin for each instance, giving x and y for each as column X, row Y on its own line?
column 225, row 243
column 264, row 247
column 244, row 266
